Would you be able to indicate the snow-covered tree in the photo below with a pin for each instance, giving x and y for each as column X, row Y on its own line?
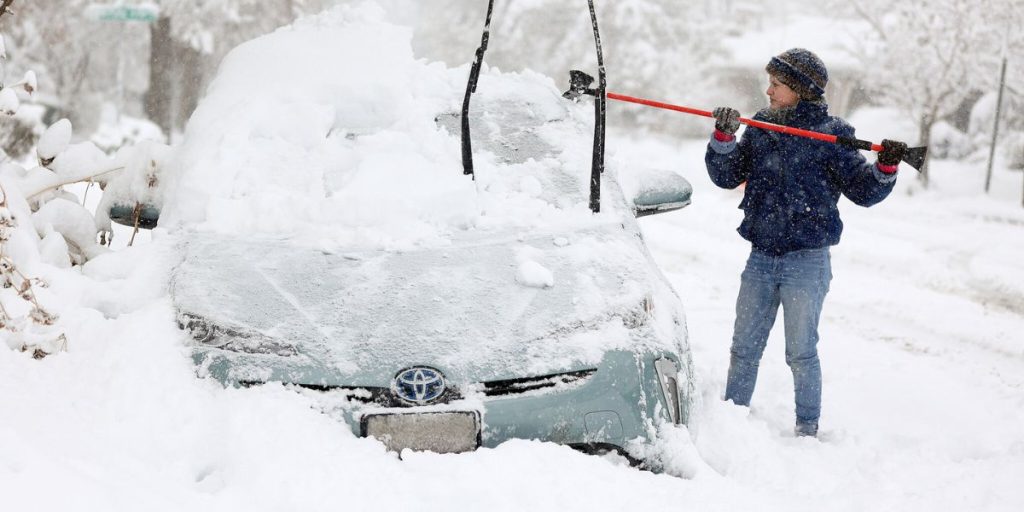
column 1008, row 20
column 929, row 56
column 160, row 68
column 75, row 56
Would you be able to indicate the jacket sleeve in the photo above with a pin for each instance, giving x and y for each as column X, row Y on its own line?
column 860, row 181
column 728, row 162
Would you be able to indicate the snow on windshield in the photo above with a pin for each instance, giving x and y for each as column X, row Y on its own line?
column 331, row 131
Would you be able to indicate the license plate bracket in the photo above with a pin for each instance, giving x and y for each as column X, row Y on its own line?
column 439, row 432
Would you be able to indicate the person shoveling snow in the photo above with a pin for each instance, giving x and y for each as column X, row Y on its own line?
column 791, row 219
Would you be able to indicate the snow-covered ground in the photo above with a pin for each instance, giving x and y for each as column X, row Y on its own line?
column 922, row 354
column 922, row 351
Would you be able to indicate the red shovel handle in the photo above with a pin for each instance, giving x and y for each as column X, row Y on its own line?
column 802, row 133
column 749, row 122
column 658, row 104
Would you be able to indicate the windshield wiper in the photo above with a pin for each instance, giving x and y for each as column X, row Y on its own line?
column 474, row 75
column 597, row 165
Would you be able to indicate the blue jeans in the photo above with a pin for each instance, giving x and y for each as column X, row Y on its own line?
column 798, row 281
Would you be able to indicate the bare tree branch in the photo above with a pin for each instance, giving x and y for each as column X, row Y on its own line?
column 866, row 14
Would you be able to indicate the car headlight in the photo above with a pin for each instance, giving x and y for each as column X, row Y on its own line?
column 668, row 376
column 208, row 334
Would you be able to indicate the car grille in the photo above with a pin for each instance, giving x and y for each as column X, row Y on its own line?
column 383, row 396
column 365, row 394
column 528, row 384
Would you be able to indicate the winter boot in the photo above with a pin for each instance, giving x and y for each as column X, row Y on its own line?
column 806, row 429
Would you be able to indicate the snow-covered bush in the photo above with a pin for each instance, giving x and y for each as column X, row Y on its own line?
column 43, row 224
column 44, row 228
column 24, row 323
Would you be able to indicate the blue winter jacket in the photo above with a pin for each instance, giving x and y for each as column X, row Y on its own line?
column 794, row 183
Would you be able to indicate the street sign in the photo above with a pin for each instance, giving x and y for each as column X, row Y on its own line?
column 144, row 12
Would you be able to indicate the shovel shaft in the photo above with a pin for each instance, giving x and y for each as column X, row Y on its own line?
column 750, row 122
column 658, row 104
column 859, row 144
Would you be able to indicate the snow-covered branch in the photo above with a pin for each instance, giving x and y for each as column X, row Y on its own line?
column 933, row 54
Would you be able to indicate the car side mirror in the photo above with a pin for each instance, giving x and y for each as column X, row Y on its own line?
column 133, row 196
column 143, row 215
column 659, row 191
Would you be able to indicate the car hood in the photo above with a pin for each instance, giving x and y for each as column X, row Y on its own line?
column 478, row 309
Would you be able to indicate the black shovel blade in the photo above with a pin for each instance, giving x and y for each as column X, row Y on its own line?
column 914, row 157
column 579, row 82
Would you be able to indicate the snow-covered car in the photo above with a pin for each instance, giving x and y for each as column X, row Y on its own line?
column 330, row 242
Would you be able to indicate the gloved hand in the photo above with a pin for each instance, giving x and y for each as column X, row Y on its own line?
column 892, row 152
column 727, row 120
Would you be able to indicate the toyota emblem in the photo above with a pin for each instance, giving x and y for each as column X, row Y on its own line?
column 419, row 385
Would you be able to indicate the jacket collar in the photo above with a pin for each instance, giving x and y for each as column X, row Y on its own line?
column 809, row 112
column 805, row 113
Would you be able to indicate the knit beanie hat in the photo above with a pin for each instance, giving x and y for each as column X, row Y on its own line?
column 802, row 71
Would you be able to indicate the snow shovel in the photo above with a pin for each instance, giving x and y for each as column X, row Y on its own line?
column 579, row 84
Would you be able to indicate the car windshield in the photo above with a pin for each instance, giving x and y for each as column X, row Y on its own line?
column 368, row 154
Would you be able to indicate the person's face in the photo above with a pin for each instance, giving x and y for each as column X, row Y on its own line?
column 780, row 95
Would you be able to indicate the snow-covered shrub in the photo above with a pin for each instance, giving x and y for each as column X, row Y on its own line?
column 42, row 223
column 25, row 324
